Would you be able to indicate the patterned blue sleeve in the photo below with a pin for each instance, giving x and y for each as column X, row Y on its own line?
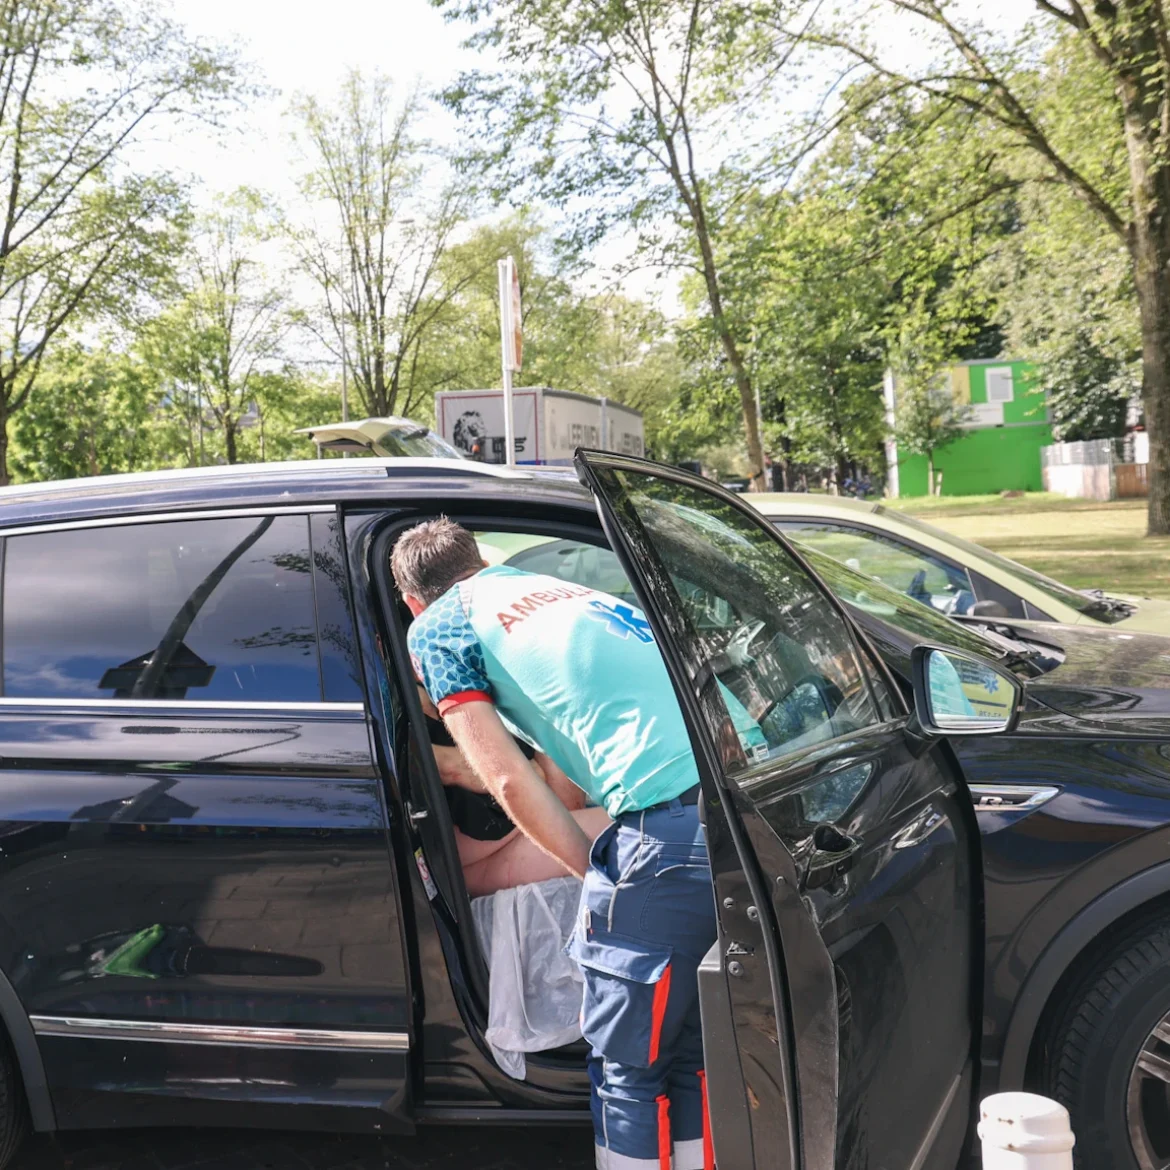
column 446, row 654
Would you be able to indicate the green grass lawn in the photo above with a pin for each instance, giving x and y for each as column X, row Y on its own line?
column 1083, row 543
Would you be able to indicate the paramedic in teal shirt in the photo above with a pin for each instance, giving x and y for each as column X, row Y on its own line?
column 578, row 673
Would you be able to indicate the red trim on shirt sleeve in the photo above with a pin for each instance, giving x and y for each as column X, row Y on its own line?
column 457, row 700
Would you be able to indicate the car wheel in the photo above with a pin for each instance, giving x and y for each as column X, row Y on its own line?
column 1108, row 1061
column 13, row 1111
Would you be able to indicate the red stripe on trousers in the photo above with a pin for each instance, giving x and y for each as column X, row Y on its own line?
column 664, row 1147
column 658, row 1012
column 708, row 1145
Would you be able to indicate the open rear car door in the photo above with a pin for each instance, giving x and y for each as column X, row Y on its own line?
column 838, row 1001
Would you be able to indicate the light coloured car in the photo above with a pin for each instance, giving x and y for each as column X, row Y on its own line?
column 390, row 437
column 953, row 575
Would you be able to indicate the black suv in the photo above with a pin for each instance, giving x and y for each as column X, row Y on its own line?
column 229, row 892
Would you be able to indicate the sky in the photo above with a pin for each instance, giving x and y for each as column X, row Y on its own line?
column 307, row 47
column 297, row 46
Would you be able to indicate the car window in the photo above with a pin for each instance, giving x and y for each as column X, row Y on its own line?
column 341, row 672
column 576, row 561
column 218, row 609
column 749, row 618
column 911, row 571
column 874, row 597
column 416, row 441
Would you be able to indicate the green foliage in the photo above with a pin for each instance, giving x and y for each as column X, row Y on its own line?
column 82, row 232
column 618, row 115
column 94, row 413
column 375, row 240
column 228, row 329
column 1063, row 281
column 592, row 342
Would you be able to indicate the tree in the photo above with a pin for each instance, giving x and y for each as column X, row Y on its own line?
column 80, row 230
column 230, row 326
column 591, row 340
column 95, row 412
column 927, row 415
column 377, row 257
column 1063, row 282
column 1127, row 42
column 621, row 113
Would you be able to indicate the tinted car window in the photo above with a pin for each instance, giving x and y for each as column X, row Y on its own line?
column 755, row 622
column 989, row 590
column 341, row 676
column 874, row 597
column 193, row 609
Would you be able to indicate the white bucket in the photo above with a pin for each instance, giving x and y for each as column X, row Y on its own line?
column 1022, row 1131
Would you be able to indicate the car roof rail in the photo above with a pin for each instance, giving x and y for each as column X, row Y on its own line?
column 430, row 466
column 363, row 466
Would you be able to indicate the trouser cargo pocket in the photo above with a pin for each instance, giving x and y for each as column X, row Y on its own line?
column 627, row 986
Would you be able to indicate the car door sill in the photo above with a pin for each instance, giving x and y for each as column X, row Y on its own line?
column 220, row 1035
column 487, row 1115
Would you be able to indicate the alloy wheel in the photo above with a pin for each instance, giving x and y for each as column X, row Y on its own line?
column 1147, row 1105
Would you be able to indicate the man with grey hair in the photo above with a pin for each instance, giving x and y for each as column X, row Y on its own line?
column 578, row 672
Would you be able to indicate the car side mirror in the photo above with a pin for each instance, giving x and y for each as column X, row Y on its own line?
column 961, row 694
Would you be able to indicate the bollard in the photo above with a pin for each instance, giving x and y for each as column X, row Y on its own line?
column 1022, row 1131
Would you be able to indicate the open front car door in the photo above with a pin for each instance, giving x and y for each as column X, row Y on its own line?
column 838, row 1001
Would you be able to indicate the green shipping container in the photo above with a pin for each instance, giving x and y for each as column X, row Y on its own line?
column 1000, row 449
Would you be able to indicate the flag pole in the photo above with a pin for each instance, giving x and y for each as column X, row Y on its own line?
column 504, row 268
column 510, row 326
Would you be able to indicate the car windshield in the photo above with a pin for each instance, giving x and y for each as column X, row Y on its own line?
column 874, row 597
column 416, row 442
column 1093, row 604
column 924, row 623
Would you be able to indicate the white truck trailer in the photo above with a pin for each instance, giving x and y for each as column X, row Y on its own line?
column 549, row 424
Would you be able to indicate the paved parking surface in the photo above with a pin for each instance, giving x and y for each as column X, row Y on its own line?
column 453, row 1148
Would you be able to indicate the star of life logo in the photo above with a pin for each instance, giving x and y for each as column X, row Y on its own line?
column 620, row 619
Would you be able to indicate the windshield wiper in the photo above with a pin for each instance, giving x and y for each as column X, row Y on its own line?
column 1105, row 607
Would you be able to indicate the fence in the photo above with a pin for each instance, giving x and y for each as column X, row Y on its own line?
column 1097, row 469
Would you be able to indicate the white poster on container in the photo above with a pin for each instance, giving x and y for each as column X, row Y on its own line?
column 569, row 423
column 985, row 414
column 473, row 421
column 625, row 431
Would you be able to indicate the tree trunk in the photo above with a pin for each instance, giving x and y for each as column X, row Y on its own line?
column 1150, row 250
column 1155, row 318
column 1142, row 91
column 930, row 473
column 4, row 477
column 743, row 381
column 229, row 439
column 381, row 403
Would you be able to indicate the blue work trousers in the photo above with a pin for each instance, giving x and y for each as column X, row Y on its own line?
column 647, row 918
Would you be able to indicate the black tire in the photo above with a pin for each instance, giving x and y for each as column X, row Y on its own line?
column 1090, row 1057
column 13, row 1107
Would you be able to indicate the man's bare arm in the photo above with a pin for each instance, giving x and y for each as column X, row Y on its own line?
column 537, row 812
column 569, row 794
